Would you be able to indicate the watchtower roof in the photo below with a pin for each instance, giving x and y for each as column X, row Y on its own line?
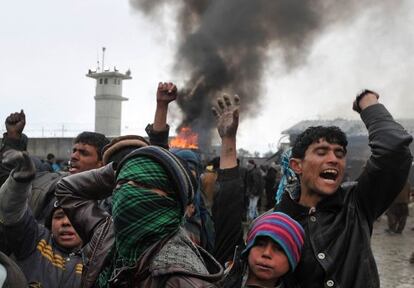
column 109, row 74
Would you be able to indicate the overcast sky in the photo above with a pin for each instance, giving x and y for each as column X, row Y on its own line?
column 48, row 46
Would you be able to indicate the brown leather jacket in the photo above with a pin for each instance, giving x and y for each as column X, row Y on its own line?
column 78, row 195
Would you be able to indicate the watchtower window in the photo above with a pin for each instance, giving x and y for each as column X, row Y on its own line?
column 106, row 81
column 115, row 81
column 100, row 81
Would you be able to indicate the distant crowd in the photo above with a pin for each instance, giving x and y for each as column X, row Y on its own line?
column 134, row 212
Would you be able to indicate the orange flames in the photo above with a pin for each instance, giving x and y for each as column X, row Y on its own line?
column 185, row 139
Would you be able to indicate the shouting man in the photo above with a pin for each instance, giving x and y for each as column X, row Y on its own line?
column 338, row 221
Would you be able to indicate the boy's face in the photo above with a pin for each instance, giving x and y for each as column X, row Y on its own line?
column 63, row 231
column 267, row 262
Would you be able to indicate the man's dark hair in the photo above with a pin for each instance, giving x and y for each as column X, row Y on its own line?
column 95, row 139
column 215, row 162
column 50, row 156
column 313, row 134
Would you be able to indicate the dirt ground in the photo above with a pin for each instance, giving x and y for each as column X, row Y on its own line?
column 392, row 253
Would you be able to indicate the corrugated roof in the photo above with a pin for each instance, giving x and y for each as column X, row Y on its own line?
column 350, row 127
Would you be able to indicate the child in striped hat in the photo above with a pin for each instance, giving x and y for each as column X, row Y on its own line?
column 273, row 249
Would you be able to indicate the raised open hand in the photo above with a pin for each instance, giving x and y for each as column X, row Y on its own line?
column 227, row 114
column 15, row 123
column 166, row 93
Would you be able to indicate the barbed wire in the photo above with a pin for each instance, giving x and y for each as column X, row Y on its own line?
column 65, row 129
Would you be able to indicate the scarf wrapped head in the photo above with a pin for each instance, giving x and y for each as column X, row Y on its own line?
column 289, row 181
column 182, row 180
column 193, row 159
column 141, row 216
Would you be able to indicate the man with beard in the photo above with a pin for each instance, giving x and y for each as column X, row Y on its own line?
column 338, row 221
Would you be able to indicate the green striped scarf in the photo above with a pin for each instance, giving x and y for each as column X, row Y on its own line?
column 141, row 216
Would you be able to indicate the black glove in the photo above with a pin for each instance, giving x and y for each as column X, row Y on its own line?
column 24, row 169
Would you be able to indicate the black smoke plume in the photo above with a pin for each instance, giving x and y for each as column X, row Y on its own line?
column 226, row 44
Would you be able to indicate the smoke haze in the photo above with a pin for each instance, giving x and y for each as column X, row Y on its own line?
column 227, row 45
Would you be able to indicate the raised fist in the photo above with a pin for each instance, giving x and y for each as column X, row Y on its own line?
column 23, row 167
column 15, row 123
column 364, row 99
column 166, row 93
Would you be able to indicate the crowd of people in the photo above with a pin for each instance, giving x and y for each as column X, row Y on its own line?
column 131, row 212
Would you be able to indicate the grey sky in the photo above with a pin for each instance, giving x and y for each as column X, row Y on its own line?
column 48, row 46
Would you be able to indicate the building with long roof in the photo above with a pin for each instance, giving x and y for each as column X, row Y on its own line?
column 357, row 134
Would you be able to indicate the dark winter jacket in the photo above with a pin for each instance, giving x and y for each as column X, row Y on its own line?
column 270, row 179
column 337, row 251
column 254, row 182
column 227, row 214
column 158, row 138
column 43, row 262
column 7, row 144
column 42, row 194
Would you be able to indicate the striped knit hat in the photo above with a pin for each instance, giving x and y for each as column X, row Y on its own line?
column 283, row 230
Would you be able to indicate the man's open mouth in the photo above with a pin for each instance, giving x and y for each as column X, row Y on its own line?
column 73, row 167
column 329, row 174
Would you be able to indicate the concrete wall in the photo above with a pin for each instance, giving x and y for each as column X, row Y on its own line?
column 113, row 86
column 60, row 147
column 108, row 116
column 108, row 105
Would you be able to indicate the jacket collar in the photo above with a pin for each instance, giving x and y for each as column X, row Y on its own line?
column 291, row 207
column 160, row 259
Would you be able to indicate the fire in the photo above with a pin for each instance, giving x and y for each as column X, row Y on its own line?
column 185, row 139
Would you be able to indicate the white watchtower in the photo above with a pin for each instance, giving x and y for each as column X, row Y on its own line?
column 108, row 100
